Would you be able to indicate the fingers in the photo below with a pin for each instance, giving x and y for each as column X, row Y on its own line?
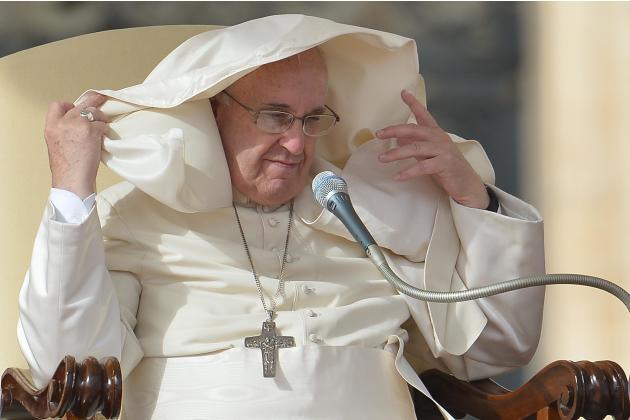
column 424, row 167
column 423, row 117
column 403, row 131
column 92, row 102
column 92, row 99
column 426, row 128
column 414, row 149
column 412, row 132
column 97, row 114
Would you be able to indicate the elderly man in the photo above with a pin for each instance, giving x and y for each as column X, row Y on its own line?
column 180, row 295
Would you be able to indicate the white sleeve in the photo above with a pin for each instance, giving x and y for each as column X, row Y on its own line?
column 497, row 247
column 68, row 304
column 69, row 208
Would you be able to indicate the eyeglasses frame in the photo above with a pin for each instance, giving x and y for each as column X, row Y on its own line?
column 255, row 113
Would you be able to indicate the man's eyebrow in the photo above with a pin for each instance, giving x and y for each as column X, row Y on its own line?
column 276, row 105
column 318, row 110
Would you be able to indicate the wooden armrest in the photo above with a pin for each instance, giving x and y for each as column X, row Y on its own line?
column 76, row 390
column 561, row 390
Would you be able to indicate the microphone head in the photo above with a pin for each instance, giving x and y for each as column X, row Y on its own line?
column 326, row 182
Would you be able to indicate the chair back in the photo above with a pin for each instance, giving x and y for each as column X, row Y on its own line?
column 29, row 81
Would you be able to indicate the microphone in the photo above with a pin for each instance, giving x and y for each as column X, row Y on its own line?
column 331, row 192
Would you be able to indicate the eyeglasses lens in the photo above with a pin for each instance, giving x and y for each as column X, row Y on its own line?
column 278, row 122
column 318, row 125
column 274, row 121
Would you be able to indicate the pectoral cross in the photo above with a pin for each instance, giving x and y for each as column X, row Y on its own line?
column 269, row 343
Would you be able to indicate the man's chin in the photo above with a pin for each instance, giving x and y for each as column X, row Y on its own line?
column 279, row 191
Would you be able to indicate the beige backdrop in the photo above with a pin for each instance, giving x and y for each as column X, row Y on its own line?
column 576, row 150
column 29, row 80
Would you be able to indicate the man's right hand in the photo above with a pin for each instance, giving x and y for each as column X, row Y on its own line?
column 74, row 144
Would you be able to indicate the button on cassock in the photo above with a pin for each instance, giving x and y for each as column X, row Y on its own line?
column 308, row 290
column 315, row 338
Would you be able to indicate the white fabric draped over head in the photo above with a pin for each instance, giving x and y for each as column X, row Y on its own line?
column 166, row 141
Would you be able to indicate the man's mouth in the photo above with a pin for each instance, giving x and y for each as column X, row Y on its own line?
column 288, row 164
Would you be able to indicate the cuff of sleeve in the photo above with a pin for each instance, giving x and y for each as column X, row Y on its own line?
column 69, row 208
column 508, row 207
column 493, row 206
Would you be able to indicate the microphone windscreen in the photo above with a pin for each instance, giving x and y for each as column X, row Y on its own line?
column 325, row 182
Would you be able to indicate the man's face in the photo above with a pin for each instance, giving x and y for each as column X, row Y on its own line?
column 271, row 169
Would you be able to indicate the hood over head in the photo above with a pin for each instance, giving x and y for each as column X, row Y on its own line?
column 164, row 138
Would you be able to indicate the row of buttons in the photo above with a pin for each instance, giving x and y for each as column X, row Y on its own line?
column 312, row 314
column 308, row 290
column 273, row 222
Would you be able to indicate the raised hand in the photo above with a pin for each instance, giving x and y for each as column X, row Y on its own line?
column 436, row 155
column 74, row 144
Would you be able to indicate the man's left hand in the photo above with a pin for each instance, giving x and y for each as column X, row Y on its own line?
column 436, row 155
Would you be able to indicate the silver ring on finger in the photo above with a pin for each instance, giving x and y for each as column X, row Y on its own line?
column 88, row 115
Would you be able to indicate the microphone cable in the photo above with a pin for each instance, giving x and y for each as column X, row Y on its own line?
column 326, row 185
column 376, row 256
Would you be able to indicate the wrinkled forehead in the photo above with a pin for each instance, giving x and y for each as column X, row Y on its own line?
column 308, row 65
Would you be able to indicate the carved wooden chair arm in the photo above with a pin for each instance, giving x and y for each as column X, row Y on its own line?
column 561, row 390
column 76, row 390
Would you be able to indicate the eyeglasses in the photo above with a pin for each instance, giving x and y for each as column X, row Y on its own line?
column 275, row 121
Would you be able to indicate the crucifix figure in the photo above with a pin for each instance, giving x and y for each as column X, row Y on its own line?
column 269, row 343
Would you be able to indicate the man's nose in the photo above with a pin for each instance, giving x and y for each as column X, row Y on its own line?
column 293, row 139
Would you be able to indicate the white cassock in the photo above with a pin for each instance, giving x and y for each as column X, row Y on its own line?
column 170, row 291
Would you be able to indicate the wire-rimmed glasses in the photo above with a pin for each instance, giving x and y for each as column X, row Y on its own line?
column 276, row 121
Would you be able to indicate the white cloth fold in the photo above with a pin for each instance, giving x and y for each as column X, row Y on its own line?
column 175, row 156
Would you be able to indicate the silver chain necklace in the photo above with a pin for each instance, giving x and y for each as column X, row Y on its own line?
column 268, row 342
